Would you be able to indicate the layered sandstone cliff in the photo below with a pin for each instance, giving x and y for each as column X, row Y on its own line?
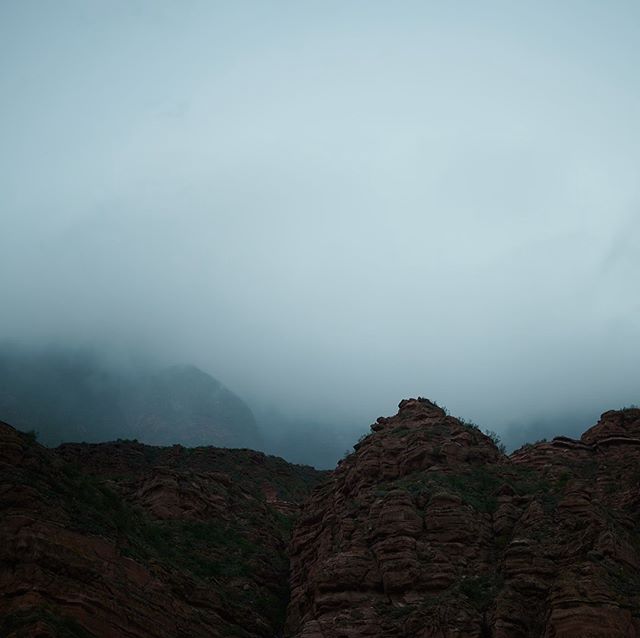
column 127, row 540
column 427, row 530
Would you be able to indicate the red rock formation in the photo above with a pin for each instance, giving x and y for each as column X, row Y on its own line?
column 428, row 530
column 122, row 539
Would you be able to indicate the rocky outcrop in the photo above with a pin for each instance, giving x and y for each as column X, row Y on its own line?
column 123, row 539
column 428, row 530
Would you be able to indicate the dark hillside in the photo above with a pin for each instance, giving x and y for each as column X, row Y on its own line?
column 123, row 539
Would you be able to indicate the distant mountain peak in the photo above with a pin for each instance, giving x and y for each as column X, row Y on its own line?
column 77, row 396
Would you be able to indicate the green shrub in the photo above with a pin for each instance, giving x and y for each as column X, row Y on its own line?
column 497, row 441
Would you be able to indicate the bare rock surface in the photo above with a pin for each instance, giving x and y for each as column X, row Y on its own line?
column 126, row 540
column 428, row 530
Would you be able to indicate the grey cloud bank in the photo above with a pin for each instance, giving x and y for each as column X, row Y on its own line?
column 332, row 206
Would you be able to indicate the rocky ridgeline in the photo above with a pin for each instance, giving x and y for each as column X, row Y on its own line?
column 428, row 530
column 127, row 540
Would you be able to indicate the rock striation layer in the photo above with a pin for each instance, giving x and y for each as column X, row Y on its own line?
column 428, row 530
column 126, row 540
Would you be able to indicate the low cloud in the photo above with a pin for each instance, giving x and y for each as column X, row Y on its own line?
column 330, row 210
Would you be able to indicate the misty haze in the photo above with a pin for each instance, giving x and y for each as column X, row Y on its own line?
column 260, row 226
column 330, row 209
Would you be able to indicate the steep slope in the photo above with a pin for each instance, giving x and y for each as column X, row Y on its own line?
column 426, row 530
column 77, row 395
column 122, row 539
column 429, row 530
column 183, row 404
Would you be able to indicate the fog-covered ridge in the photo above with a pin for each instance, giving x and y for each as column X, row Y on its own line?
column 77, row 395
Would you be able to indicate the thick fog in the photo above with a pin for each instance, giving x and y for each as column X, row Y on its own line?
column 330, row 206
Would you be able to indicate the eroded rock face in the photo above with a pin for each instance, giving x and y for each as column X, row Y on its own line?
column 428, row 530
column 123, row 539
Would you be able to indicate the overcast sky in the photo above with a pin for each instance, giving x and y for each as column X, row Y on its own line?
column 330, row 206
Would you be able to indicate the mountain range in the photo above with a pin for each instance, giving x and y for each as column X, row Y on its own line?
column 76, row 395
column 427, row 529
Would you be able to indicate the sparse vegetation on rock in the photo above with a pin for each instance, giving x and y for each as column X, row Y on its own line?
column 427, row 529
